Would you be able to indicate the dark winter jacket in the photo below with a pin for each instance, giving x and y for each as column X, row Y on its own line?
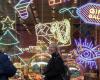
column 55, row 68
column 6, row 67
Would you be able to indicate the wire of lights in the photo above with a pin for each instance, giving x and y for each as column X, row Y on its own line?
column 34, row 12
column 53, row 12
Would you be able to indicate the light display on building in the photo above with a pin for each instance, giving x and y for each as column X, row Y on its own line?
column 7, row 23
column 87, row 53
column 71, row 11
column 58, row 31
column 90, row 13
column 8, row 41
column 21, row 7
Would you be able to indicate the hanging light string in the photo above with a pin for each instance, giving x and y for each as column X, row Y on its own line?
column 42, row 12
column 34, row 12
column 53, row 13
column 80, row 22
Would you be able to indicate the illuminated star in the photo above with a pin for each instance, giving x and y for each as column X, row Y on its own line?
column 7, row 23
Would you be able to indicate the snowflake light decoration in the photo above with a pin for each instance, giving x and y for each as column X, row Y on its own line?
column 87, row 53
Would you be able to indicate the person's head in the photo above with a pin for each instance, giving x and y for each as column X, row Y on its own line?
column 53, row 48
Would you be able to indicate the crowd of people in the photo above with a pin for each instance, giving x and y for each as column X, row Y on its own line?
column 55, row 69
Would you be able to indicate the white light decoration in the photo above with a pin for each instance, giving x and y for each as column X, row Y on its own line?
column 8, row 39
column 58, row 31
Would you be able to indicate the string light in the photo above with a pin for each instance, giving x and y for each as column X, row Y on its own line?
column 53, row 13
column 35, row 12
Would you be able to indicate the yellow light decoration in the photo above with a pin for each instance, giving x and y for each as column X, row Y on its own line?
column 7, row 23
column 61, row 31
column 58, row 31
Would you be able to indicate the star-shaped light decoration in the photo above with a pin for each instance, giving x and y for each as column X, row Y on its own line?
column 7, row 23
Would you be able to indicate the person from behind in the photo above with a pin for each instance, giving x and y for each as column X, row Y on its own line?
column 55, row 70
column 7, row 69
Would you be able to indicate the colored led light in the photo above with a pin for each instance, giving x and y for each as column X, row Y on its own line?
column 21, row 8
column 70, row 10
column 54, row 2
column 7, row 23
column 8, row 39
column 51, row 32
column 87, row 53
column 89, row 13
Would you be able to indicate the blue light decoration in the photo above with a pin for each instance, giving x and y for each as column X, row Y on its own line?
column 71, row 11
column 87, row 53
column 21, row 8
column 89, row 13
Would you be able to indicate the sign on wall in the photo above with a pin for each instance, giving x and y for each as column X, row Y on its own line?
column 90, row 13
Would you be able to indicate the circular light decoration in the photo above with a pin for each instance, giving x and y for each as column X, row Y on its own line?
column 87, row 53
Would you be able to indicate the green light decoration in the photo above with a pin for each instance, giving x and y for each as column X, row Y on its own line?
column 56, row 31
column 8, row 39
column 7, row 23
